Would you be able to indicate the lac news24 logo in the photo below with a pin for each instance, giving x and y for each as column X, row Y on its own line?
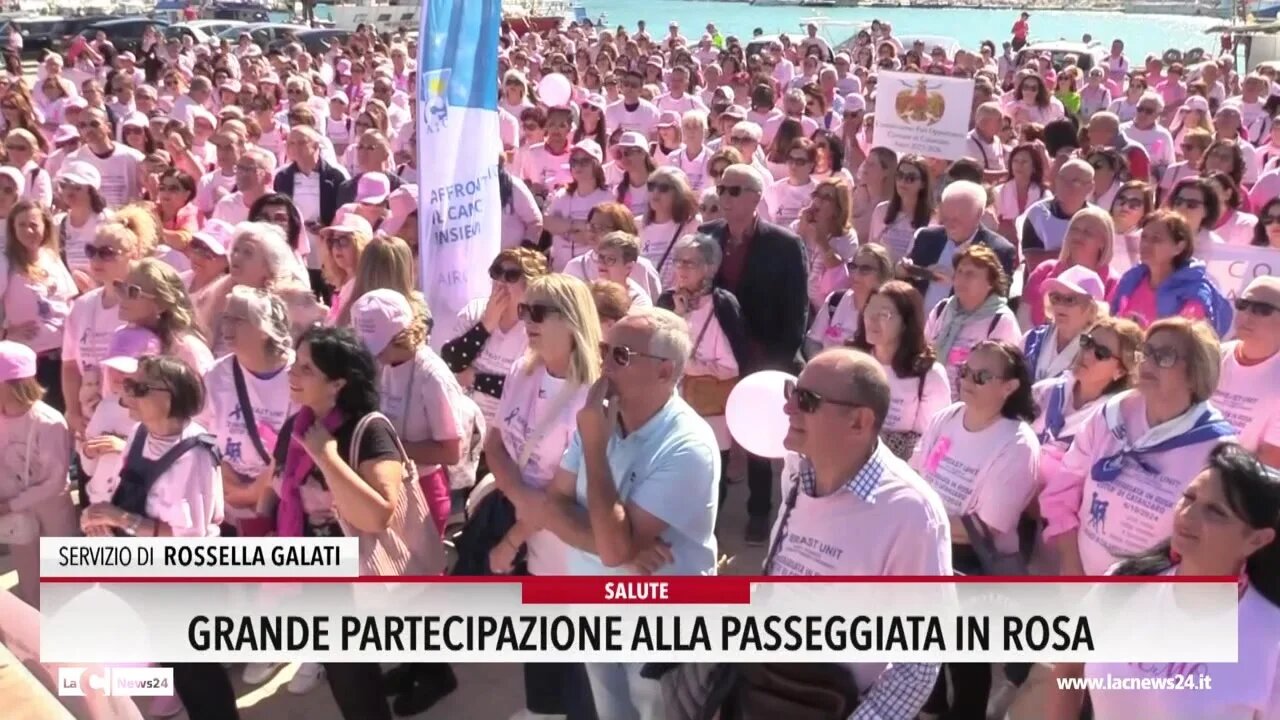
column 140, row 681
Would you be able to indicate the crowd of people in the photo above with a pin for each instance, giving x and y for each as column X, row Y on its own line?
column 1014, row 361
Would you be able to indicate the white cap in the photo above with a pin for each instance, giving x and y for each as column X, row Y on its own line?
column 379, row 316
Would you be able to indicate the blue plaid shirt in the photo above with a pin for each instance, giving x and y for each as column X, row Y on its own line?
column 863, row 483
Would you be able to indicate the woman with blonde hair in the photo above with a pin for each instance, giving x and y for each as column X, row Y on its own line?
column 22, row 151
column 826, row 226
column 37, row 292
column 534, row 424
column 341, row 245
column 489, row 334
column 386, row 262
column 1089, row 242
column 153, row 296
column 672, row 213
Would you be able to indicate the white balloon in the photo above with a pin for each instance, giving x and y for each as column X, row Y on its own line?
column 754, row 413
column 554, row 90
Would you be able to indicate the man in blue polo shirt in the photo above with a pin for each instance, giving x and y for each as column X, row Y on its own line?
column 639, row 479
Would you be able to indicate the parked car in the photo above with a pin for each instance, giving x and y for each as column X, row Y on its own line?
column 316, row 41
column 54, row 33
column 263, row 34
column 1086, row 55
column 125, row 33
column 202, row 31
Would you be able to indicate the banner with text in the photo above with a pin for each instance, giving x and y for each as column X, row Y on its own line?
column 1233, row 267
column 459, row 217
column 923, row 114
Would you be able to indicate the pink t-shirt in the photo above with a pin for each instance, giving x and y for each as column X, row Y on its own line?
column 520, row 216
column 990, row 472
column 1140, row 306
column 1129, row 514
column 1245, row 395
column 1237, row 227
column 540, row 166
column 46, row 301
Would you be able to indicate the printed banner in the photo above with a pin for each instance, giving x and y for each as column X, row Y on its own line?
column 657, row 619
column 459, row 222
column 1233, row 267
column 923, row 114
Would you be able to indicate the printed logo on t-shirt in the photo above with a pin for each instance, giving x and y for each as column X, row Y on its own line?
column 1129, row 514
column 806, row 555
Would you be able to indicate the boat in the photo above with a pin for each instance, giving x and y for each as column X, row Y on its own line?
column 523, row 15
column 1199, row 8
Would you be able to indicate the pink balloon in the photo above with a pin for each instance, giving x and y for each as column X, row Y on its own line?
column 555, row 90
column 754, row 413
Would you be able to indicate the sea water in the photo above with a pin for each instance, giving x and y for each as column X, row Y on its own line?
column 1142, row 34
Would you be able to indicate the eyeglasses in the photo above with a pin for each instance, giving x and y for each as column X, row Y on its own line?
column 1255, row 307
column 1089, row 343
column 798, row 160
column 977, row 377
column 135, row 389
column 1188, row 203
column 1145, row 110
column 730, row 190
column 659, row 187
column 507, row 275
column 1269, row 219
column 1066, row 299
column 1162, row 357
column 93, row 252
column 534, row 313
column 808, row 401
column 621, row 354
column 129, row 290
column 338, row 239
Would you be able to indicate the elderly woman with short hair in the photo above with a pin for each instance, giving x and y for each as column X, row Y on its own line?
column 718, row 332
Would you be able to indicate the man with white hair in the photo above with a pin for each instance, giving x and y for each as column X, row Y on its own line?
column 253, row 177
column 1151, row 135
column 928, row 266
column 765, row 268
column 313, row 184
column 984, row 143
column 1227, row 125
column 1254, row 119
column 746, row 137
column 636, row 492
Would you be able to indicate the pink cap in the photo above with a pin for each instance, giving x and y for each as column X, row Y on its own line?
column 78, row 172
column 379, row 316
column 199, row 113
column 230, row 86
column 1195, row 102
column 590, row 147
column 373, row 188
column 128, row 344
column 403, row 202
column 595, row 100
column 216, row 235
column 353, row 223
column 343, row 66
column 632, row 139
column 1077, row 280
column 65, row 133
column 17, row 361
column 668, row 119
column 339, row 96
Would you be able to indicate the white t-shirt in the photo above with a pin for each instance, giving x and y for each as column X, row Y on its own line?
column 990, row 473
column 109, row 418
column 212, row 187
column 990, row 154
column 782, row 201
column 912, row 407
column 536, row 406
column 1157, row 141
column 644, row 119
column 897, row 236
column 656, row 239
column 500, row 351
column 119, row 171
column 231, row 209
column 420, row 397
column 586, row 267
column 1245, row 395
column 1248, row 689
column 694, row 168
column 635, row 197
column 573, row 207
column 85, row 338
column 269, row 397
column 682, row 104
column 75, row 238
column 833, row 327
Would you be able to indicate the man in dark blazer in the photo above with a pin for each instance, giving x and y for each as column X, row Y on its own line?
column 764, row 267
column 304, row 147
column 928, row 266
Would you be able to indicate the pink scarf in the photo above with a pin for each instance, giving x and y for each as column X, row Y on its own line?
column 290, row 518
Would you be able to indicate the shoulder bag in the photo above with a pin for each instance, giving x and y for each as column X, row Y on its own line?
column 706, row 394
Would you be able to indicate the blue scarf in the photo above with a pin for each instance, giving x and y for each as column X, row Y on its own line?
column 1054, row 417
column 1034, row 343
column 1200, row 423
column 1189, row 282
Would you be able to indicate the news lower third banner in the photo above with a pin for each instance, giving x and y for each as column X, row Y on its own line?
column 113, row 601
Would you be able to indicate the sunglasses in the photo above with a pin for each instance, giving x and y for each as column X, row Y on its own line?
column 129, row 290
column 1188, row 203
column 507, row 275
column 534, row 313
column 1065, row 299
column 1132, row 203
column 135, row 389
column 808, row 401
column 1270, row 219
column 978, row 377
column 1162, row 357
column 1089, row 344
column 621, row 355
column 659, row 187
column 338, row 240
column 1255, row 307
column 909, row 178
column 864, row 268
column 798, row 160
column 93, row 252
column 730, row 190
column 1143, row 110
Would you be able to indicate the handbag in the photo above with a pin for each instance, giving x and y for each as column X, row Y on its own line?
column 992, row 560
column 706, row 394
